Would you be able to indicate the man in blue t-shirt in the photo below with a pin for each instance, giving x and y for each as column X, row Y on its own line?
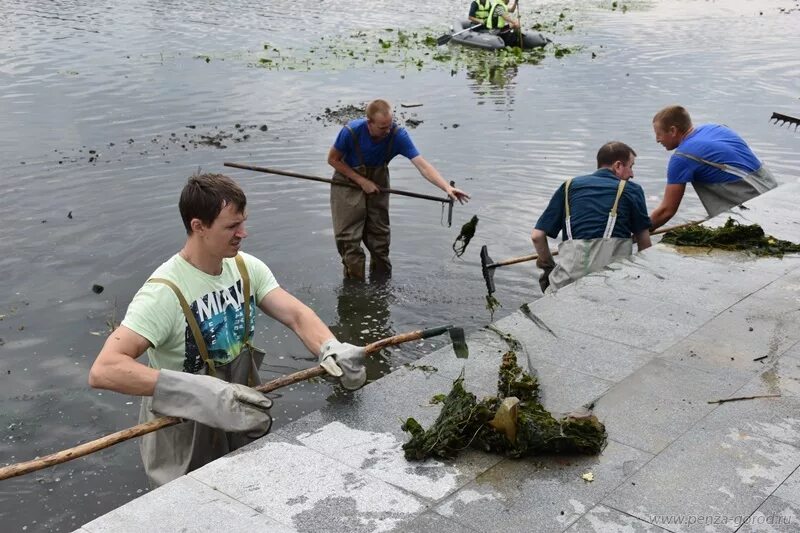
column 597, row 215
column 723, row 170
column 361, row 155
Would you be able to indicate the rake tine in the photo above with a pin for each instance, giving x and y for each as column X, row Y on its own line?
column 488, row 272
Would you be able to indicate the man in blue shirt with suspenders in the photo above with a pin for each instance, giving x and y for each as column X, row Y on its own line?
column 361, row 155
column 721, row 167
column 597, row 214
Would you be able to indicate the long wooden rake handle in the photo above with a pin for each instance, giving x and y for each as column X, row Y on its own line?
column 279, row 172
column 531, row 257
column 86, row 448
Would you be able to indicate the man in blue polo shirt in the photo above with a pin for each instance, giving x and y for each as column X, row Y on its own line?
column 723, row 170
column 597, row 214
column 361, row 155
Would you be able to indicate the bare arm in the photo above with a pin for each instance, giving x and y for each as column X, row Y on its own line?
column 336, row 160
column 116, row 367
column 512, row 21
column 298, row 317
column 430, row 173
column 642, row 239
column 673, row 194
column 539, row 239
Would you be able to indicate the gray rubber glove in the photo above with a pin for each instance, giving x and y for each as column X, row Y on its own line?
column 547, row 267
column 212, row 401
column 344, row 361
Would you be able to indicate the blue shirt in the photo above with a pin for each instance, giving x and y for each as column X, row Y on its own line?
column 374, row 153
column 590, row 200
column 718, row 144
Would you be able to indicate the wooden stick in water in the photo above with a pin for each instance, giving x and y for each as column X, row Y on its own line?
column 102, row 443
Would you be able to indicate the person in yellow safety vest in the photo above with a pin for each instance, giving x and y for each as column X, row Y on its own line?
column 598, row 214
column 479, row 11
column 500, row 15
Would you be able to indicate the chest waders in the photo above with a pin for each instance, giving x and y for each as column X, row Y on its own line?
column 578, row 257
column 171, row 452
column 719, row 197
column 363, row 217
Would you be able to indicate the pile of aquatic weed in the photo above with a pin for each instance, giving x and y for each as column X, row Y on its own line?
column 732, row 236
column 513, row 423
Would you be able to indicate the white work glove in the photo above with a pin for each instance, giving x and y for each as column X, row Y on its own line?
column 212, row 401
column 344, row 361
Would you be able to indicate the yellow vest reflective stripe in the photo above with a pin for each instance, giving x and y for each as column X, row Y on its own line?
column 494, row 21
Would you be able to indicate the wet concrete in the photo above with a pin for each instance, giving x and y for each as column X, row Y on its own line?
column 645, row 341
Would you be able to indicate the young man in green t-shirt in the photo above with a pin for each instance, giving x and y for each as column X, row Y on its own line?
column 195, row 318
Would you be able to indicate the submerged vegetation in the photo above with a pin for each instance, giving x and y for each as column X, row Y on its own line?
column 732, row 236
column 514, row 423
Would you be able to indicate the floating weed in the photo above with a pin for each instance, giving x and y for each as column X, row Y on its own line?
column 561, row 51
column 406, row 49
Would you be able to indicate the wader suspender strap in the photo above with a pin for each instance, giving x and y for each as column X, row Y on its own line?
column 738, row 172
column 246, row 293
column 356, row 146
column 567, row 225
column 192, row 321
column 360, row 155
column 612, row 216
column 251, row 381
column 388, row 156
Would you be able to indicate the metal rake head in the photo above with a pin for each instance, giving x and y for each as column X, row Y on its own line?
column 781, row 119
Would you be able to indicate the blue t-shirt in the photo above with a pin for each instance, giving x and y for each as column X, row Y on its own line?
column 590, row 200
column 718, row 144
column 374, row 153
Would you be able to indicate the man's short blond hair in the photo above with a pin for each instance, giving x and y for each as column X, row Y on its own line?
column 674, row 115
column 378, row 107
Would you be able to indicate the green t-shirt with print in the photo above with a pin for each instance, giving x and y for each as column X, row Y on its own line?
column 215, row 301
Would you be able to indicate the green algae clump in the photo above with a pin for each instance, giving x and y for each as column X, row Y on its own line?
column 465, row 236
column 732, row 236
column 514, row 423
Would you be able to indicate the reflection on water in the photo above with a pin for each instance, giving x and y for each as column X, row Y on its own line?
column 107, row 105
column 363, row 317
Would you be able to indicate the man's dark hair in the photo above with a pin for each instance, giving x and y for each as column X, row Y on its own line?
column 205, row 195
column 612, row 152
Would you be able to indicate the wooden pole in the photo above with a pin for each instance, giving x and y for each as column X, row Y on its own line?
column 531, row 257
column 327, row 180
column 102, row 443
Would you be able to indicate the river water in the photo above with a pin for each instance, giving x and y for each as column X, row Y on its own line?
column 108, row 106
